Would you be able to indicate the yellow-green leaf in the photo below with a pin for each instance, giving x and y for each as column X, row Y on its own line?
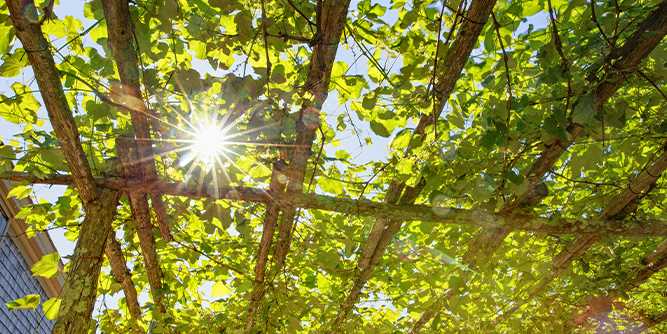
column 51, row 308
column 220, row 290
column 28, row 302
column 47, row 266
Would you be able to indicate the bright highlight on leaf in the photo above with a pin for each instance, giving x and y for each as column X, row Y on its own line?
column 220, row 290
column 51, row 308
column 47, row 266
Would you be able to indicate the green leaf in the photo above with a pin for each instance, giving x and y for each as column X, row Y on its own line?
column 6, row 37
column 531, row 8
column 13, row 64
column 379, row 129
column 227, row 22
column 583, row 112
column 51, row 308
column 322, row 282
column 377, row 11
column 20, row 108
column 220, row 290
column 29, row 302
column 47, row 266
column 198, row 48
column 455, row 282
column 20, row 192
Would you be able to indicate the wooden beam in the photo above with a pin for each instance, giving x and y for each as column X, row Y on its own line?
column 331, row 17
column 122, row 275
column 80, row 288
column 80, row 291
column 38, row 51
column 136, row 153
column 404, row 212
column 128, row 94
column 141, row 217
column 384, row 229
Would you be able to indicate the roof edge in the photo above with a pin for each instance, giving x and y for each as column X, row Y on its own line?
column 31, row 249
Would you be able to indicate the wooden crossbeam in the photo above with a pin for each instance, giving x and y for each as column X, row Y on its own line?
column 379, row 210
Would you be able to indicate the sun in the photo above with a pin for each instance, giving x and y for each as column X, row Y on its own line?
column 208, row 143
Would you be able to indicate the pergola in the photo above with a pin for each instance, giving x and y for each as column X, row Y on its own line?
column 290, row 189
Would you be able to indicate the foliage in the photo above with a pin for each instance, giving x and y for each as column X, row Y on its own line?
column 207, row 59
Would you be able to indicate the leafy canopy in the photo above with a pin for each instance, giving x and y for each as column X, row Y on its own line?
column 206, row 61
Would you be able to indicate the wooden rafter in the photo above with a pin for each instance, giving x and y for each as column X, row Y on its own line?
column 80, row 288
column 331, row 17
column 384, row 229
column 140, row 165
column 141, row 217
column 122, row 275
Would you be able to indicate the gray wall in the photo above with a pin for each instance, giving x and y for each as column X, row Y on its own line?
column 16, row 281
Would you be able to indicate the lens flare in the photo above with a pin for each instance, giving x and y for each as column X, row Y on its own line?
column 208, row 143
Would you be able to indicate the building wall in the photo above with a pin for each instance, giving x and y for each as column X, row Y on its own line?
column 16, row 281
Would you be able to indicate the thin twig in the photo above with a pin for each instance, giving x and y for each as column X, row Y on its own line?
column 496, row 25
column 311, row 24
column 597, row 24
column 645, row 77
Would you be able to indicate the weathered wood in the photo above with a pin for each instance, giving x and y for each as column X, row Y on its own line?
column 80, row 289
column 331, row 18
column 141, row 217
column 128, row 94
column 449, row 73
column 38, row 50
column 270, row 219
column 122, row 275
column 403, row 212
